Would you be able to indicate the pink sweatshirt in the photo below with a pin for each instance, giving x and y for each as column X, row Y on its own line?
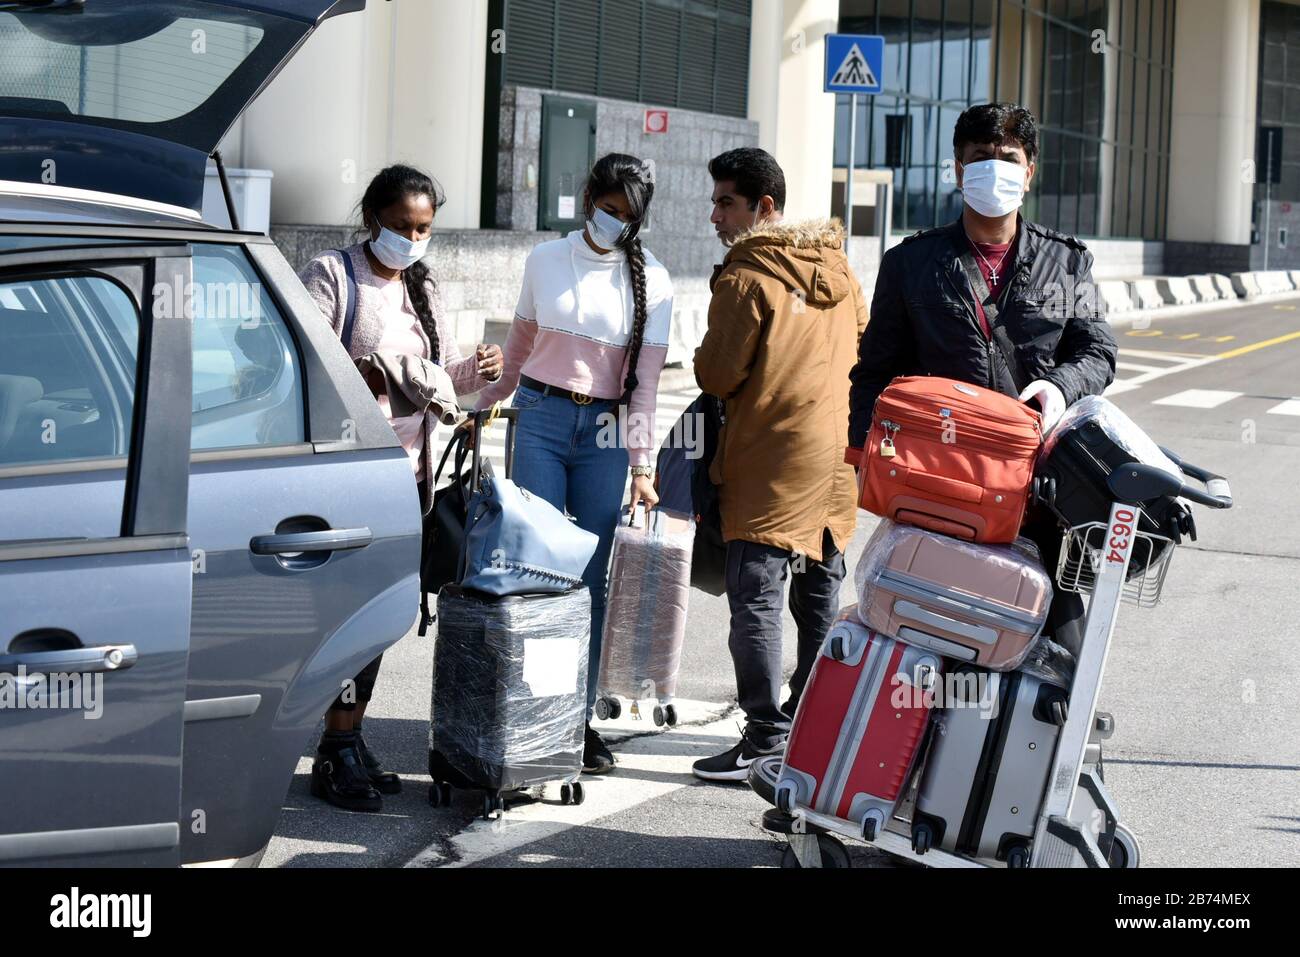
column 573, row 325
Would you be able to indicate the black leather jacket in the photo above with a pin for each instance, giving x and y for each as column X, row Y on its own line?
column 923, row 320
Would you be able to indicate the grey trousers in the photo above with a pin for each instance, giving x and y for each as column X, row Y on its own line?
column 756, row 577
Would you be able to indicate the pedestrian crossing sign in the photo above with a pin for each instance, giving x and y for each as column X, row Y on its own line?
column 854, row 63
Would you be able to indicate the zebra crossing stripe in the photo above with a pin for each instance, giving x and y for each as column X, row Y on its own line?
column 1198, row 398
column 1289, row 407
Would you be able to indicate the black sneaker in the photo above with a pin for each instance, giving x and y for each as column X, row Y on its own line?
column 732, row 765
column 596, row 758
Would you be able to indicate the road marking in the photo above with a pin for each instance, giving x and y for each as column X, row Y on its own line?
column 1258, row 345
column 1289, row 407
column 1198, row 398
column 1223, row 338
column 1190, row 335
column 1134, row 367
column 1167, row 356
column 1144, row 333
column 1180, row 364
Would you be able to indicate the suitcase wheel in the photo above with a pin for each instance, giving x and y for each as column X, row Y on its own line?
column 608, row 709
column 670, row 715
column 659, row 716
column 493, row 803
column 1060, row 711
column 1124, row 849
column 833, row 853
column 572, row 793
column 784, row 800
column 1018, row 856
column 839, row 648
column 922, row 838
column 440, row 794
column 870, row 828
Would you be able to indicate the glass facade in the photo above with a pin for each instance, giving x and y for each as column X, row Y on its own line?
column 1278, row 152
column 1097, row 74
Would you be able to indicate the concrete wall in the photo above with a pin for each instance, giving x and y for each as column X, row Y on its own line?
column 397, row 83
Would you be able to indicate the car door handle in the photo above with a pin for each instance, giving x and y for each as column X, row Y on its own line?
column 330, row 540
column 71, row 660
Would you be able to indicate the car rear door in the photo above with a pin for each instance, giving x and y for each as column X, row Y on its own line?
column 95, row 567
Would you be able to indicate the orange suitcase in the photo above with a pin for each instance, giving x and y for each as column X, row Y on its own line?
column 949, row 457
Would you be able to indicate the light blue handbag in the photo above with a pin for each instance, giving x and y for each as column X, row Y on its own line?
column 515, row 542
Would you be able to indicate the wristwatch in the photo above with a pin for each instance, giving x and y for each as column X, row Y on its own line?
column 646, row 470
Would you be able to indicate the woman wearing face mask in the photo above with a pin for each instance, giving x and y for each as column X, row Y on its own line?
column 585, row 352
column 398, row 309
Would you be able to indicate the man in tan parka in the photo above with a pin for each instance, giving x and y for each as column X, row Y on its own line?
column 784, row 324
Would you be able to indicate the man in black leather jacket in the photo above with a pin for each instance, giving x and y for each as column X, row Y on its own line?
column 1036, row 330
column 926, row 321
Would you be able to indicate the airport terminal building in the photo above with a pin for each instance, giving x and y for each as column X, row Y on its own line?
column 1170, row 129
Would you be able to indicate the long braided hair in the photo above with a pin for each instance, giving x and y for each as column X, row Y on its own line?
column 391, row 184
column 619, row 172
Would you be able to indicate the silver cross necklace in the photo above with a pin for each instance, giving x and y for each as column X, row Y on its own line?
column 993, row 270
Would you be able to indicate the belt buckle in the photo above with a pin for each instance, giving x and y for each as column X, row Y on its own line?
column 581, row 399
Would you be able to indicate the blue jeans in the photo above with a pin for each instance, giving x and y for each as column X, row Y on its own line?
column 557, row 457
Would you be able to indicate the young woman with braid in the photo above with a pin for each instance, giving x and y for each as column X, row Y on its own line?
column 398, row 309
column 589, row 335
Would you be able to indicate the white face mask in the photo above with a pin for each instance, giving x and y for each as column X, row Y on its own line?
column 993, row 187
column 606, row 231
column 397, row 252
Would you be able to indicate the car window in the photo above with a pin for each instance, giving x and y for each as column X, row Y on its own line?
column 247, row 375
column 68, row 349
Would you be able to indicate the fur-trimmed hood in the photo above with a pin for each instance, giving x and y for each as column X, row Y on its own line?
column 807, row 257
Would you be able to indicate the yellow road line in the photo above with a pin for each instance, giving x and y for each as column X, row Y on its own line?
column 1232, row 354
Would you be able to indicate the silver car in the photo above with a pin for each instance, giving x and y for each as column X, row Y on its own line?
column 206, row 524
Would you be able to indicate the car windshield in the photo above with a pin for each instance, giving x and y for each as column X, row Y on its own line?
column 179, row 69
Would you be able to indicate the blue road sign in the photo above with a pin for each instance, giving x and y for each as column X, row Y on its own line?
column 854, row 63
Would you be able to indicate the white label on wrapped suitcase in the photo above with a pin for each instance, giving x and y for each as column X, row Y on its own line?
column 551, row 666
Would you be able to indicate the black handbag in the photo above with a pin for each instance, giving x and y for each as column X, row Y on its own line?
column 444, row 526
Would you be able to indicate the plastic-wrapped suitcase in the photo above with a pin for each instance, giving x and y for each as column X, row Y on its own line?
column 983, row 604
column 1092, row 440
column 988, row 762
column 509, row 690
column 645, row 613
column 858, row 729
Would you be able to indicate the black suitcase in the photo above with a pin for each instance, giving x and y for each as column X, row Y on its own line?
column 509, row 697
column 1082, row 472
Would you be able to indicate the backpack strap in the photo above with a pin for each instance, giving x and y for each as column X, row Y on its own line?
column 997, row 331
column 350, row 315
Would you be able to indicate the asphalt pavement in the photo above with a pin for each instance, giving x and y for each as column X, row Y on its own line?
column 1205, row 759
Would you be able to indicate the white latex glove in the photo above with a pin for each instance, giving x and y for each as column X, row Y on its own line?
column 1050, row 400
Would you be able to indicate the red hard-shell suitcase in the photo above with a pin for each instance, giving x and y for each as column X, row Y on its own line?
column 860, row 723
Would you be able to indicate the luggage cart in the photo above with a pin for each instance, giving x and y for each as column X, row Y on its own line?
column 1078, row 822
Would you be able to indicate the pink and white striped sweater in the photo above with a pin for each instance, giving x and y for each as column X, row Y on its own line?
column 573, row 325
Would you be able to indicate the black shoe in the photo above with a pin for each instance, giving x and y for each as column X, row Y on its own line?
column 789, row 708
column 339, row 777
column 733, row 765
column 596, row 758
column 385, row 782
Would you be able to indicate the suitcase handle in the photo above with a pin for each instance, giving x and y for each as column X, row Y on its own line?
column 484, row 418
column 1139, row 483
